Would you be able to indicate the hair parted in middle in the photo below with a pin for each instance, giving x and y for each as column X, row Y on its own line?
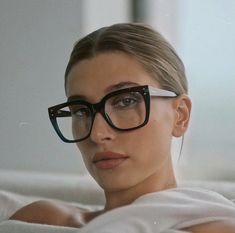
column 143, row 43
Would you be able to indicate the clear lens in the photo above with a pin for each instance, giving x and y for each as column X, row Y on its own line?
column 126, row 110
column 77, row 123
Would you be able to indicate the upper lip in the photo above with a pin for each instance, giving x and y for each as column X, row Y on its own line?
column 107, row 155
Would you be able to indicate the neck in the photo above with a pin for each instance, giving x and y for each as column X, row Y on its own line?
column 154, row 183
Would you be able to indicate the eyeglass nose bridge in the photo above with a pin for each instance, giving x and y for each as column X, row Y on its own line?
column 99, row 108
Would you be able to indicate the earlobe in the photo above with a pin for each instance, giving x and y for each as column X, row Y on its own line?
column 182, row 107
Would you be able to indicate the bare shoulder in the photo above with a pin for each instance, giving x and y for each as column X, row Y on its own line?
column 225, row 226
column 50, row 212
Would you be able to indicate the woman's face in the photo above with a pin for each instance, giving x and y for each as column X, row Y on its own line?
column 126, row 158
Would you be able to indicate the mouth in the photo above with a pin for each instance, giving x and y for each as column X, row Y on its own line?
column 108, row 160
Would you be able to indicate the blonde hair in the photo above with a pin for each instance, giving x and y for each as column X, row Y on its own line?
column 148, row 46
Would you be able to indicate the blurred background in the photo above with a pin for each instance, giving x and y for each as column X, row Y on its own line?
column 36, row 38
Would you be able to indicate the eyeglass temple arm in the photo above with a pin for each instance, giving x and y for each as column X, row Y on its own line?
column 160, row 92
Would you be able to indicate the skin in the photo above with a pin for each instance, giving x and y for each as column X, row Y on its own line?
column 148, row 167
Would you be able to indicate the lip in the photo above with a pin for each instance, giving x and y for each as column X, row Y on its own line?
column 108, row 159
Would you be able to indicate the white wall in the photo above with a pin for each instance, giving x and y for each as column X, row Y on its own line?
column 96, row 14
column 36, row 38
column 163, row 15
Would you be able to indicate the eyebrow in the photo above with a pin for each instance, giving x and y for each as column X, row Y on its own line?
column 107, row 90
column 76, row 97
column 120, row 86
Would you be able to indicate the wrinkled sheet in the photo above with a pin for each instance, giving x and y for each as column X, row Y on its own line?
column 165, row 211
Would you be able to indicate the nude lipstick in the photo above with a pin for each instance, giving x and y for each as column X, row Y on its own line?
column 108, row 159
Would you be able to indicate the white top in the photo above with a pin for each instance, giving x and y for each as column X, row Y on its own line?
column 166, row 211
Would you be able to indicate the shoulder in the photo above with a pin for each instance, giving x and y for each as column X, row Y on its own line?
column 225, row 226
column 55, row 213
column 38, row 211
column 49, row 212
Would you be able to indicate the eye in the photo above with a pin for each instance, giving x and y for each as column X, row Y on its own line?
column 80, row 112
column 126, row 101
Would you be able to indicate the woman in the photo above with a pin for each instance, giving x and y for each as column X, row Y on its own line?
column 127, row 98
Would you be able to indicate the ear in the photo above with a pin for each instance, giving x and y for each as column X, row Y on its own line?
column 182, row 108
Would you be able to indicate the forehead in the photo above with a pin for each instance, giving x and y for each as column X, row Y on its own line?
column 96, row 76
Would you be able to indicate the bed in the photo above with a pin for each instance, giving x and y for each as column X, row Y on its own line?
column 19, row 188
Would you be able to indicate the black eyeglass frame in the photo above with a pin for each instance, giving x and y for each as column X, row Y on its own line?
column 145, row 90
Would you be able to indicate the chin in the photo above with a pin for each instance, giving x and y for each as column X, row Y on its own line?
column 117, row 184
column 111, row 184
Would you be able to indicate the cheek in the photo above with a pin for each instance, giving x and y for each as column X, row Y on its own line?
column 147, row 145
column 153, row 140
column 154, row 137
column 85, row 150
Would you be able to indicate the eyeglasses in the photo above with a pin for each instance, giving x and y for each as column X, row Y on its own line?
column 123, row 110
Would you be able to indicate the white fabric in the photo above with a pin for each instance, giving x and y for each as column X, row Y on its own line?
column 20, row 227
column 11, row 202
column 82, row 188
column 166, row 212
column 79, row 188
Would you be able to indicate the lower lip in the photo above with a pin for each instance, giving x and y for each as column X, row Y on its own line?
column 109, row 163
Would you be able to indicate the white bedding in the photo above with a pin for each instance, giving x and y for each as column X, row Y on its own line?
column 10, row 202
column 18, row 227
column 67, row 187
column 21, row 227
column 165, row 212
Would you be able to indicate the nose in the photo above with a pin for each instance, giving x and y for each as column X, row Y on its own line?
column 101, row 132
